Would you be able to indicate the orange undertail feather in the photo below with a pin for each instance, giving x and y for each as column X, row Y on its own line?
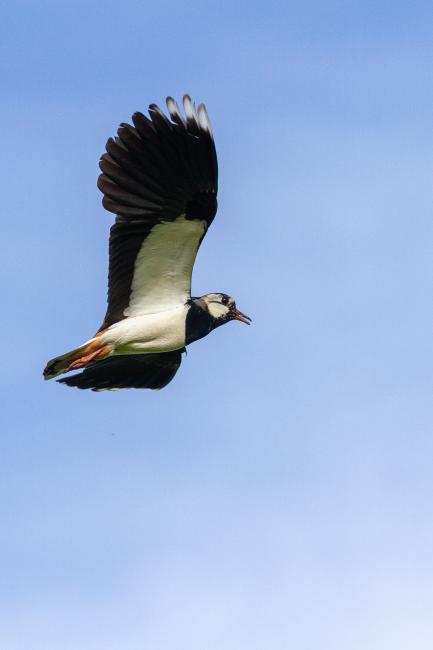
column 78, row 358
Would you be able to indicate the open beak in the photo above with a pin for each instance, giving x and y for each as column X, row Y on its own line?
column 238, row 315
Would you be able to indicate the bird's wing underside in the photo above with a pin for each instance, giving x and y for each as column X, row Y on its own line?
column 160, row 178
column 128, row 371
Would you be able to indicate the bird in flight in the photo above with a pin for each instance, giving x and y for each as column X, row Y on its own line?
column 160, row 178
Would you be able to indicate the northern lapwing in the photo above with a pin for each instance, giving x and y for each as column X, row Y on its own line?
column 160, row 178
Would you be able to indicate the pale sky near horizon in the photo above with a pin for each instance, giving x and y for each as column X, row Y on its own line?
column 277, row 494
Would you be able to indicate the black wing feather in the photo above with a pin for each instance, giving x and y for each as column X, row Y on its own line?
column 128, row 371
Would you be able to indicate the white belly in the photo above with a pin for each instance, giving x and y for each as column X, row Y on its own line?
column 160, row 332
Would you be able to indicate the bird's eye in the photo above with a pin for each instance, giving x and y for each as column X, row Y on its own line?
column 224, row 300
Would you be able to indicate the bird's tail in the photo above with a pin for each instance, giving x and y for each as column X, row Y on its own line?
column 78, row 358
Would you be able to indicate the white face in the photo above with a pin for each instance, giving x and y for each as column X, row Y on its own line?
column 219, row 304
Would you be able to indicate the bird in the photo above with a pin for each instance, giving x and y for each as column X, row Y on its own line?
column 160, row 178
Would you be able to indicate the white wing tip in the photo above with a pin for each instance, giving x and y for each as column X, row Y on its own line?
column 203, row 118
column 198, row 115
column 174, row 111
column 189, row 109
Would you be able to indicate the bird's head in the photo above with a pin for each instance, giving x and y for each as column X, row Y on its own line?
column 222, row 308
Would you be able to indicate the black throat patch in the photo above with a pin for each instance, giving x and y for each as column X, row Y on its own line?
column 198, row 322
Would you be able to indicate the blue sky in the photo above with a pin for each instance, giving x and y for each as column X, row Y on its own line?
column 278, row 494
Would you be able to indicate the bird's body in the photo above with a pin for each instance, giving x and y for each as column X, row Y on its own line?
column 160, row 178
column 162, row 331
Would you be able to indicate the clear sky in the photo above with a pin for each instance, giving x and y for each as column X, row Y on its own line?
column 278, row 494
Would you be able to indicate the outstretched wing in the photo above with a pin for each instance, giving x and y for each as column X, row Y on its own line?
column 160, row 177
column 128, row 371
